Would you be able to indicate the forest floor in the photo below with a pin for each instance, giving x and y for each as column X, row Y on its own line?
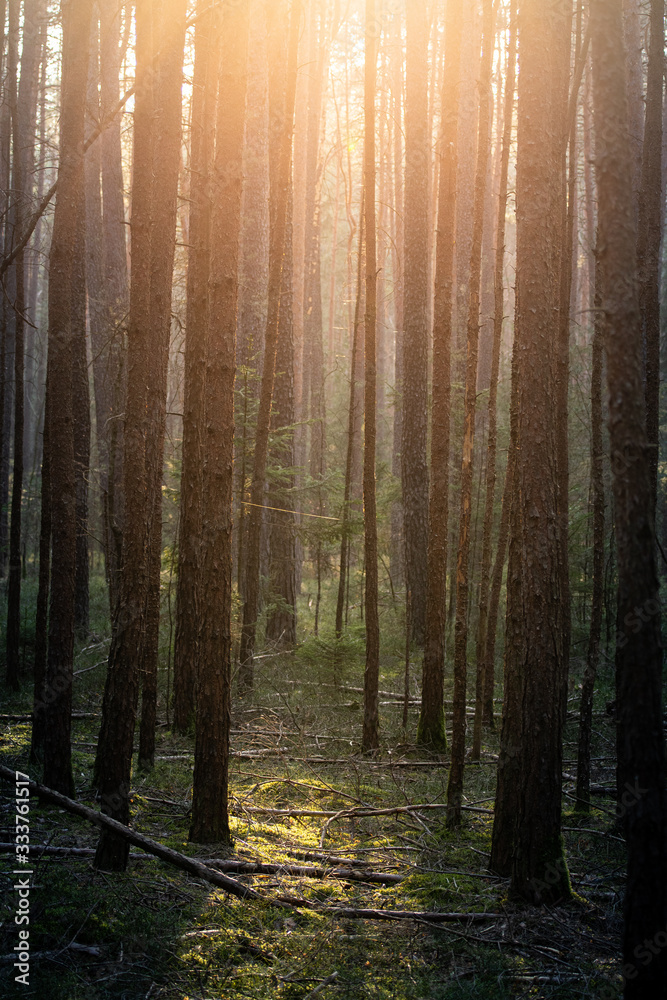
column 303, row 794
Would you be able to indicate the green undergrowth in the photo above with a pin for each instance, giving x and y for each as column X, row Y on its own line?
column 157, row 932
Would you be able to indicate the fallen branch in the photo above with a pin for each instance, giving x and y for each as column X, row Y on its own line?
column 231, row 886
column 428, row 916
column 84, row 949
column 189, row 865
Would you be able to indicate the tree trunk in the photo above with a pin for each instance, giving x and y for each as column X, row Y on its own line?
column 595, row 626
column 370, row 735
column 649, row 233
column 431, row 728
column 188, row 594
column 351, row 422
column 528, row 801
column 638, row 648
column 483, row 666
column 210, row 820
column 281, row 621
column 114, row 748
column 62, row 335
column 171, row 17
column 251, row 603
column 414, row 469
column 455, row 785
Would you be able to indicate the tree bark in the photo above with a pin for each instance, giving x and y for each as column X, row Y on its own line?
column 414, row 468
column 455, row 785
column 638, row 648
column 188, row 594
column 431, row 728
column 121, row 693
column 370, row 735
column 528, row 802
column 251, row 603
column 62, row 272
column 649, row 232
column 210, row 820
column 171, row 18
column 483, row 665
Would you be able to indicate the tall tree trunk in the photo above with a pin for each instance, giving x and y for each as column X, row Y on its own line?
column 81, row 414
column 455, row 785
column 17, row 211
column 114, row 748
column 583, row 790
column 62, row 272
column 351, row 426
column 210, row 820
column 370, row 735
column 41, row 611
column 188, row 594
column 251, row 603
column 431, row 728
column 638, row 648
column 650, row 230
column 528, row 807
column 281, row 622
column 414, row 469
column 483, row 666
column 171, row 17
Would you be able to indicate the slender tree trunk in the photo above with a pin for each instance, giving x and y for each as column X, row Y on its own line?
column 483, row 666
column 650, row 232
column 41, row 611
column 345, row 537
column 414, row 469
column 62, row 272
column 638, row 648
column 251, row 603
column 595, row 628
column 18, row 193
column 81, row 414
column 281, row 622
column 431, row 728
column 455, row 786
column 171, row 17
column 188, row 595
column 370, row 735
column 115, row 743
column 210, row 820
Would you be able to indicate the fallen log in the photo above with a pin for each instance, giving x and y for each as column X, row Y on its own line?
column 229, row 885
column 239, row 867
column 186, row 864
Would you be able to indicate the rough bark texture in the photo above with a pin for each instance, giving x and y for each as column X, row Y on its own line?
column 595, row 626
column 210, row 820
column 483, row 667
column 205, row 84
column 649, row 232
column 638, row 648
column 431, row 728
column 370, row 734
column 455, row 785
column 281, row 621
column 62, row 269
column 170, row 17
column 121, row 693
column 251, row 602
column 528, row 801
column 414, row 468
